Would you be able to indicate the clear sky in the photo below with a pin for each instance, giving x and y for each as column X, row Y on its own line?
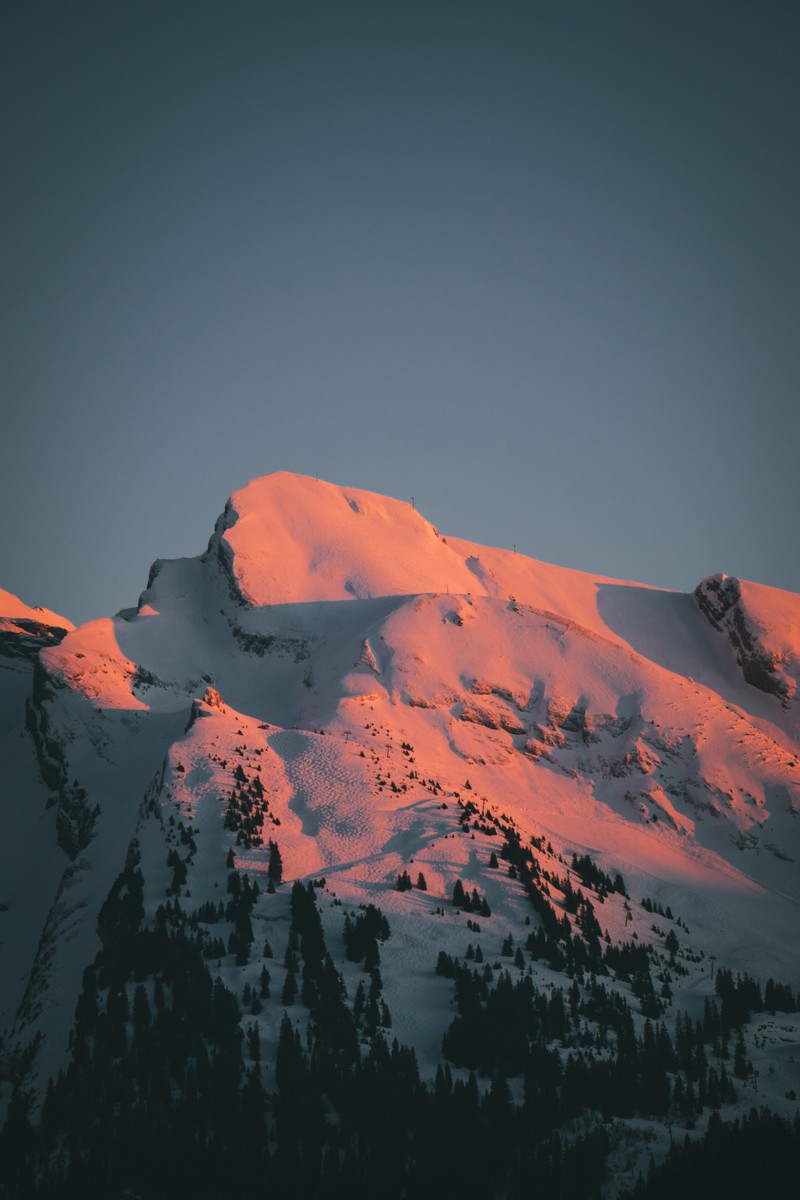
column 535, row 264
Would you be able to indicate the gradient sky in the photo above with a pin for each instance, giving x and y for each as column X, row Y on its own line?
column 535, row 264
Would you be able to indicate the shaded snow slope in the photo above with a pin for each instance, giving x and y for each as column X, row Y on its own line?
column 31, row 864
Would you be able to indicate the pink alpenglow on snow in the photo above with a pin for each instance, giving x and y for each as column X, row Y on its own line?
column 377, row 678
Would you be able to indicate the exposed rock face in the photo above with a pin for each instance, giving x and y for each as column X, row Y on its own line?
column 21, row 637
column 75, row 820
column 721, row 601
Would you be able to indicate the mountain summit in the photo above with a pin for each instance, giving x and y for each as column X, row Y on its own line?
column 595, row 780
column 290, row 539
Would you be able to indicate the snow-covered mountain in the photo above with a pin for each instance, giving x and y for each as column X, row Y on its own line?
column 336, row 679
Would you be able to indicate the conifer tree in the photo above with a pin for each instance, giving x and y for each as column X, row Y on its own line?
column 289, row 992
column 275, row 867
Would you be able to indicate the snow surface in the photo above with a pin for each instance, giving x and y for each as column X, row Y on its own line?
column 12, row 608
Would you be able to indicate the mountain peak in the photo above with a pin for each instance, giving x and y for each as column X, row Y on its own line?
column 13, row 610
column 289, row 538
column 587, row 731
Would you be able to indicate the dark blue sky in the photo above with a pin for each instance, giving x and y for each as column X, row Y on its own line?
column 535, row 264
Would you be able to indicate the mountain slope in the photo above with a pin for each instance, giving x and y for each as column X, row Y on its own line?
column 335, row 678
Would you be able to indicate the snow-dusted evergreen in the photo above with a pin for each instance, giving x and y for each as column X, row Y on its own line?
column 545, row 823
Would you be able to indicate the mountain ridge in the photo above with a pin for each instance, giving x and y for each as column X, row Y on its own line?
column 316, row 681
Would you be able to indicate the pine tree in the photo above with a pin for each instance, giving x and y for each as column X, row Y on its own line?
column 740, row 1058
column 671, row 944
column 359, row 1002
column 275, row 867
column 289, row 993
column 254, row 1042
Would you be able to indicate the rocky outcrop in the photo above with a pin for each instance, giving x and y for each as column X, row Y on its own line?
column 75, row 820
column 49, row 755
column 24, row 638
column 220, row 551
column 75, row 816
column 720, row 600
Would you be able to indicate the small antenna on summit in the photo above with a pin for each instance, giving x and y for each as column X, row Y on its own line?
column 413, row 505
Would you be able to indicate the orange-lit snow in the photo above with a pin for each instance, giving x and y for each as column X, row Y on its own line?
column 297, row 539
column 11, row 608
column 609, row 717
column 90, row 662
